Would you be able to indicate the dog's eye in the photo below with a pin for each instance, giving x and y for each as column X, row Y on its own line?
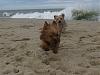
column 60, row 18
column 57, row 19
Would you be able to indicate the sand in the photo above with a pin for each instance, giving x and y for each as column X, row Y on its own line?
column 20, row 54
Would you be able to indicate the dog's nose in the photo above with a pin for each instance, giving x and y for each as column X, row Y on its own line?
column 59, row 21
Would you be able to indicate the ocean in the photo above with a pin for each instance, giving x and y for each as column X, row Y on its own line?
column 49, row 13
column 23, row 12
column 39, row 13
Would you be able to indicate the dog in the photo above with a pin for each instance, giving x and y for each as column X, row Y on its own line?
column 59, row 19
column 50, row 37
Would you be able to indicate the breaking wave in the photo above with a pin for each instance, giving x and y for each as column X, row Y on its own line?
column 48, row 14
column 45, row 14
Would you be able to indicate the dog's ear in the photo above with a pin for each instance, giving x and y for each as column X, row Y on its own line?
column 54, row 22
column 55, row 16
column 63, row 15
column 46, row 24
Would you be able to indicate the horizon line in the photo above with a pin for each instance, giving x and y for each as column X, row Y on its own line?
column 31, row 8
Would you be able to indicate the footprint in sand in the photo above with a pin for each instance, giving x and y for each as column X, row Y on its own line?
column 95, row 62
column 26, row 26
column 23, row 39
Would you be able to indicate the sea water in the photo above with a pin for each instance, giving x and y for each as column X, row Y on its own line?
column 49, row 13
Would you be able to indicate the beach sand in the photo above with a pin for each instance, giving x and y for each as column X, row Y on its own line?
column 20, row 54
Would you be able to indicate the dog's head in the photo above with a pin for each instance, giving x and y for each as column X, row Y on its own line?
column 46, row 25
column 59, row 19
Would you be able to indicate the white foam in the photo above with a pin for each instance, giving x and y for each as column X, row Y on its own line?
column 48, row 14
column 45, row 15
column 6, row 14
